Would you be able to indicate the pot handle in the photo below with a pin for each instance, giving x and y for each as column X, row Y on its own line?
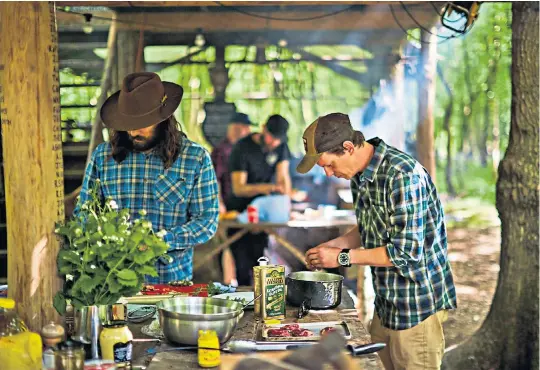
column 304, row 308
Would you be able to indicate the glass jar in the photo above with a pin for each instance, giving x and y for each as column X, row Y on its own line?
column 116, row 343
column 69, row 356
column 10, row 322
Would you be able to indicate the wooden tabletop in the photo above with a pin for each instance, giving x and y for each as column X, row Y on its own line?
column 247, row 329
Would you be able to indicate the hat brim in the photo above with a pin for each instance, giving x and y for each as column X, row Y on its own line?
column 307, row 163
column 112, row 118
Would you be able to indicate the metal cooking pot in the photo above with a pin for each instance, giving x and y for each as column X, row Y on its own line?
column 321, row 290
column 181, row 318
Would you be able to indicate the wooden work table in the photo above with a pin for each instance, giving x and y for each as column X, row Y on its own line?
column 247, row 329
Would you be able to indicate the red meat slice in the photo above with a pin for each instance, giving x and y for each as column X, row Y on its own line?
column 278, row 333
column 291, row 327
column 302, row 333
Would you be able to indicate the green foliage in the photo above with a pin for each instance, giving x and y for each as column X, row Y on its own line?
column 105, row 256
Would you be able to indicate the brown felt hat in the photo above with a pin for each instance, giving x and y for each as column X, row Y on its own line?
column 323, row 134
column 143, row 101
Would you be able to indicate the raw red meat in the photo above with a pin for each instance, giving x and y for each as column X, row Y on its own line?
column 278, row 333
column 302, row 333
column 291, row 327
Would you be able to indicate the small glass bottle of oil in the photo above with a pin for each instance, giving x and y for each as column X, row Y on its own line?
column 208, row 357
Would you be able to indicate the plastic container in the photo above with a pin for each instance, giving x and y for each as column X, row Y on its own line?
column 208, row 357
column 20, row 349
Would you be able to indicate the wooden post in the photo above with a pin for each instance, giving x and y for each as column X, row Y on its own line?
column 126, row 51
column 398, row 90
column 106, row 84
column 426, row 101
column 32, row 149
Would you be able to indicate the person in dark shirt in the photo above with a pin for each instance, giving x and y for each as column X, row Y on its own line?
column 255, row 160
column 238, row 128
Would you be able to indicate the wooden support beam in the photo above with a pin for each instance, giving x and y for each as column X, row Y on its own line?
column 32, row 150
column 425, row 135
column 360, row 77
column 126, row 53
column 376, row 16
column 366, row 38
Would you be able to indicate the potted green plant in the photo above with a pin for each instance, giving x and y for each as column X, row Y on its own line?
column 105, row 256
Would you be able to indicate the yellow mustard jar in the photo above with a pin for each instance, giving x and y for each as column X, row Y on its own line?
column 116, row 343
column 208, row 357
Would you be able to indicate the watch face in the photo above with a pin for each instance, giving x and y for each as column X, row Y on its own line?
column 344, row 259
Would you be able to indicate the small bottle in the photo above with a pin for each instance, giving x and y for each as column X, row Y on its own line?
column 263, row 263
column 51, row 334
column 208, row 357
column 116, row 343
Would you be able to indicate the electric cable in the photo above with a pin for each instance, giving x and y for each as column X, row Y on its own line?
column 283, row 19
column 414, row 38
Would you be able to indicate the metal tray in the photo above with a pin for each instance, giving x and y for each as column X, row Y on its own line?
column 315, row 327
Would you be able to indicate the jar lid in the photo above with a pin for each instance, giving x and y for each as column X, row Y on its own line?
column 52, row 330
column 70, row 345
column 7, row 303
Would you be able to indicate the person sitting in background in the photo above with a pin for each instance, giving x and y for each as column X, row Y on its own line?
column 238, row 128
column 254, row 161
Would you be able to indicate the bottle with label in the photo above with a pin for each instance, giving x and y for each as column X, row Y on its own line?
column 116, row 342
column 208, row 357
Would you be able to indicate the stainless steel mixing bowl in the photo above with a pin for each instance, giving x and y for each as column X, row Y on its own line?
column 181, row 318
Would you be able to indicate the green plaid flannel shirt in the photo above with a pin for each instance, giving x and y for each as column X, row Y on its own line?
column 397, row 206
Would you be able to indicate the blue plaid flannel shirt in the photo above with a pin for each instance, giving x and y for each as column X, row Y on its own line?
column 397, row 206
column 182, row 200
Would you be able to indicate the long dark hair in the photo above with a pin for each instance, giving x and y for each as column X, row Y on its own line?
column 168, row 147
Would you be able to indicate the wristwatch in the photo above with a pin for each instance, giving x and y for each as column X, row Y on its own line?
column 344, row 258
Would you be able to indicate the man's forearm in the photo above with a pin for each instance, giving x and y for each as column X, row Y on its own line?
column 350, row 240
column 377, row 257
column 250, row 190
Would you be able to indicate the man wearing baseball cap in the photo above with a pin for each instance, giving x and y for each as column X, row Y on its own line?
column 149, row 166
column 403, row 236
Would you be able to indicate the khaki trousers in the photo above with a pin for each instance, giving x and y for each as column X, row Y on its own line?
column 420, row 347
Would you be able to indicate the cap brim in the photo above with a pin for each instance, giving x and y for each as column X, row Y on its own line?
column 307, row 163
column 114, row 119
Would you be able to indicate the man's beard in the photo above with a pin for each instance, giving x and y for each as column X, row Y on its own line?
column 142, row 144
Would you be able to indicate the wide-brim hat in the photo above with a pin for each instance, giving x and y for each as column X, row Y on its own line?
column 144, row 100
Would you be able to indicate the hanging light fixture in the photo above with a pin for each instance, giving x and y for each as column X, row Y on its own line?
column 199, row 39
column 87, row 27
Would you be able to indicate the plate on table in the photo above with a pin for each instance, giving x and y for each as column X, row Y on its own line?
column 297, row 331
column 241, row 297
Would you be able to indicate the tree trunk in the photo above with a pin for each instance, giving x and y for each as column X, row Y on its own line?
column 508, row 339
column 426, row 101
column 446, row 127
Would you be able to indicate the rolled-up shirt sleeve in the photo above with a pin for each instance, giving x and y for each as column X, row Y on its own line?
column 407, row 205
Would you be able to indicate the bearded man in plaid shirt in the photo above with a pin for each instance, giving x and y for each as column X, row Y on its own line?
column 150, row 167
column 402, row 233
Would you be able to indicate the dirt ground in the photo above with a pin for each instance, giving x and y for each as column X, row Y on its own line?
column 474, row 256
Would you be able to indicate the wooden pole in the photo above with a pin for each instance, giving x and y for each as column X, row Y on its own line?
column 106, row 84
column 398, row 90
column 126, row 51
column 426, row 101
column 32, row 149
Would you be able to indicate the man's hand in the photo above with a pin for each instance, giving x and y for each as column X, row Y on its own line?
column 322, row 256
column 222, row 208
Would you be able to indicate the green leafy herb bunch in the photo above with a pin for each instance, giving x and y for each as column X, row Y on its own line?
column 105, row 255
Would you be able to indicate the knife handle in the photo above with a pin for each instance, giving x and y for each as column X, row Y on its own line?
column 365, row 349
